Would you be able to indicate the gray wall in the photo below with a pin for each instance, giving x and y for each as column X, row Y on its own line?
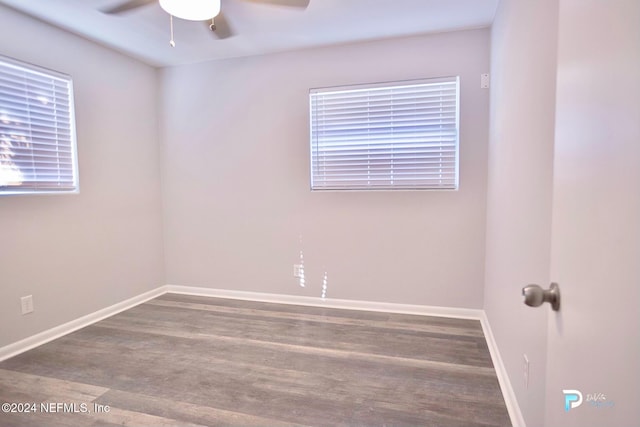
column 235, row 169
column 79, row 253
column 523, row 74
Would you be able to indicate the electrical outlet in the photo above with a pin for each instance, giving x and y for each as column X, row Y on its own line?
column 484, row 81
column 27, row 304
column 298, row 270
column 526, row 371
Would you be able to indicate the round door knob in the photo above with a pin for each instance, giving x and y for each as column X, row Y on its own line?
column 534, row 296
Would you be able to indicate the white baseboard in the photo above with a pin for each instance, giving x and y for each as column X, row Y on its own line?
column 424, row 310
column 460, row 313
column 51, row 334
column 517, row 420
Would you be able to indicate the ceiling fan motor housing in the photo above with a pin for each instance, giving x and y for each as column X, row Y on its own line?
column 192, row 10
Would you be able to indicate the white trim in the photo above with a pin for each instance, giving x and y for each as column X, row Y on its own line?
column 460, row 313
column 424, row 310
column 51, row 334
column 509, row 395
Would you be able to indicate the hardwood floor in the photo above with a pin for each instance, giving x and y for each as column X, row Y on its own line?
column 187, row 360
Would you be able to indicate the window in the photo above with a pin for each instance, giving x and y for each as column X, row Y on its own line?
column 37, row 130
column 401, row 135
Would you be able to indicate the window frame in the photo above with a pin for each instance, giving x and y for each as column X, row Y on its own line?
column 70, row 141
column 388, row 85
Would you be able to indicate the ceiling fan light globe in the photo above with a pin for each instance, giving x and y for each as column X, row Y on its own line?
column 192, row 10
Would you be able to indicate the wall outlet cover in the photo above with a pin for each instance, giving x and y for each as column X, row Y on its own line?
column 27, row 304
column 298, row 270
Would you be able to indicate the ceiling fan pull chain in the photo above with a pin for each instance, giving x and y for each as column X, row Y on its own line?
column 172, row 43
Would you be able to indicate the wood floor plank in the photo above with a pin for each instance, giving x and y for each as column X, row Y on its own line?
column 211, row 361
column 115, row 417
column 365, row 339
column 186, row 412
column 42, row 395
column 48, row 389
column 326, row 312
column 470, row 328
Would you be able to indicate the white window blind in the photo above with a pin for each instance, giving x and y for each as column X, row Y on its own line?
column 401, row 135
column 37, row 130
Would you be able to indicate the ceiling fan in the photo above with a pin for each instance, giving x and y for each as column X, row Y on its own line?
column 199, row 10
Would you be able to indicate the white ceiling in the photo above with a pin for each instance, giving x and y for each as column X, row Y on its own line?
column 260, row 28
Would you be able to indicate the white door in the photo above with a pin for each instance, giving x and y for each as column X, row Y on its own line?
column 594, row 340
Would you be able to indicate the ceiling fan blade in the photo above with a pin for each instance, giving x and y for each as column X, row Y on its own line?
column 301, row 4
column 126, row 6
column 222, row 28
